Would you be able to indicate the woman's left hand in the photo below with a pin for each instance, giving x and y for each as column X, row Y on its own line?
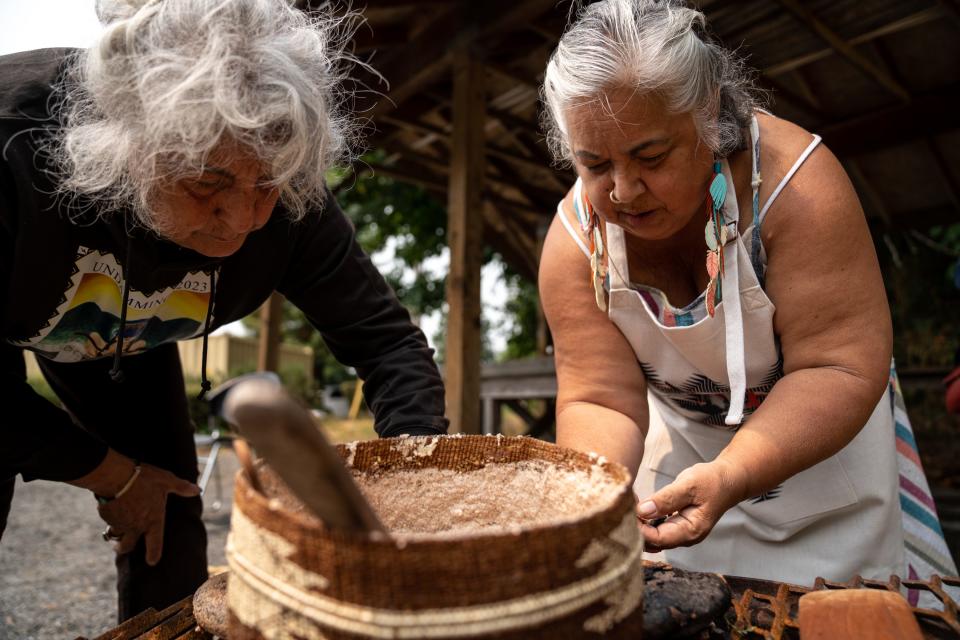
column 692, row 504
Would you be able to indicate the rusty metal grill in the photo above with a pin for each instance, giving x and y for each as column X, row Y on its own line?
column 176, row 622
column 768, row 610
column 761, row 609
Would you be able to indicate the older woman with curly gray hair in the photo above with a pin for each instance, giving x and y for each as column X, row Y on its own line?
column 154, row 187
column 719, row 316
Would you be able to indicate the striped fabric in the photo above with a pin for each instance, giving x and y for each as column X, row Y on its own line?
column 926, row 549
column 668, row 315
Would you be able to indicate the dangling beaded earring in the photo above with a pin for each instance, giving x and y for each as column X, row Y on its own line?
column 590, row 224
column 715, row 233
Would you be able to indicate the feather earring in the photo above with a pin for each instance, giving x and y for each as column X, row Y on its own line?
column 715, row 234
column 590, row 225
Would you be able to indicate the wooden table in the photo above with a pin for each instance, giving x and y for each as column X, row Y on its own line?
column 509, row 383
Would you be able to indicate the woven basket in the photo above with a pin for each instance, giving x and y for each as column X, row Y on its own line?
column 293, row 578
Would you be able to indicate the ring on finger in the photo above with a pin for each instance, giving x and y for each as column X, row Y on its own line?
column 109, row 534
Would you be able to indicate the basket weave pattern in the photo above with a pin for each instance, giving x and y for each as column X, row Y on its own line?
column 467, row 571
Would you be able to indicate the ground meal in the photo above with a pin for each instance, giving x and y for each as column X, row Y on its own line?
column 496, row 498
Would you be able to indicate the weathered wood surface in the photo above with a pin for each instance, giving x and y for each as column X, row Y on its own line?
column 857, row 614
column 465, row 235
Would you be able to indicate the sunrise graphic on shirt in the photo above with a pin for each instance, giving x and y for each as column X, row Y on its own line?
column 86, row 325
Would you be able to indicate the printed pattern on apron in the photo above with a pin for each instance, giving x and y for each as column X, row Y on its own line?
column 843, row 516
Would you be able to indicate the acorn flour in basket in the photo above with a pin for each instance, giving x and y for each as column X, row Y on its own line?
column 498, row 497
column 489, row 537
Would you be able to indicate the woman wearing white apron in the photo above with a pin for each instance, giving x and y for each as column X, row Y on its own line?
column 751, row 391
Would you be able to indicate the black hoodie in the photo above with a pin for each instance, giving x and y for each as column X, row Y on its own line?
column 62, row 272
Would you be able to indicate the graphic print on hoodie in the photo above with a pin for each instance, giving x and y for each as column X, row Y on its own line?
column 86, row 323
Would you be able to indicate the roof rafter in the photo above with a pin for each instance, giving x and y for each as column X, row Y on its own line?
column 928, row 114
column 845, row 49
column 420, row 61
column 491, row 149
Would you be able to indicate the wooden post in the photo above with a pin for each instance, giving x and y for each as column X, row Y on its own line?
column 465, row 239
column 543, row 331
column 357, row 400
column 268, row 358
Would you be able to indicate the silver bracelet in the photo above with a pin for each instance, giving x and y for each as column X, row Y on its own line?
column 125, row 488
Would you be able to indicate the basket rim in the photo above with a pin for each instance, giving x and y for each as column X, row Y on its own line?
column 244, row 491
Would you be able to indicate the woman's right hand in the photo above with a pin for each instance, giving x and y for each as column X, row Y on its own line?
column 691, row 505
column 141, row 510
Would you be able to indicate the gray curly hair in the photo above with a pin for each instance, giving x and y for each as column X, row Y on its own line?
column 169, row 81
column 653, row 46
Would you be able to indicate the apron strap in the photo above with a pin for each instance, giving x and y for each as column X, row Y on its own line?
column 616, row 257
column 732, row 312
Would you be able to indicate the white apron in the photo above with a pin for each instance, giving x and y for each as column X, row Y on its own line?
column 836, row 519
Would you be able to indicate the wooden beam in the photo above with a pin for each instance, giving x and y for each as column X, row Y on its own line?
column 416, row 64
column 544, row 338
column 521, row 237
column 779, row 90
column 929, row 114
column 537, row 195
column 913, row 20
column 271, row 313
column 385, row 36
column 846, row 50
column 503, row 240
column 528, row 163
column 509, row 254
column 798, row 78
column 510, row 121
column 952, row 8
column 465, row 239
column 527, row 212
column 440, row 165
column 491, row 149
column 946, row 173
column 516, row 126
column 424, row 128
column 424, row 176
column 871, row 199
column 508, row 240
column 762, row 16
column 508, row 73
column 420, row 179
column 400, row 4
column 925, row 218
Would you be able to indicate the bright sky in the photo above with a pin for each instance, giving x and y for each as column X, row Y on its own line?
column 35, row 24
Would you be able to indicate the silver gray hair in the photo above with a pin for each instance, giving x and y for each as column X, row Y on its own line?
column 651, row 46
column 169, row 81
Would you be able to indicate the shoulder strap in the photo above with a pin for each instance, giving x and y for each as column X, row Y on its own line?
column 756, row 243
column 796, row 165
column 573, row 232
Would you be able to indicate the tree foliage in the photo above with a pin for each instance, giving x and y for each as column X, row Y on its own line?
column 412, row 223
column 409, row 220
column 922, row 274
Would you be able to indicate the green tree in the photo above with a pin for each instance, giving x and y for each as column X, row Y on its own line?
column 412, row 222
column 920, row 271
column 522, row 310
column 387, row 212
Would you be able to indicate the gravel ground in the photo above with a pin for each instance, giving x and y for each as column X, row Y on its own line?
column 57, row 578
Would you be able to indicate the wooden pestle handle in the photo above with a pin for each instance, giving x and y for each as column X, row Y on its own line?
column 286, row 437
